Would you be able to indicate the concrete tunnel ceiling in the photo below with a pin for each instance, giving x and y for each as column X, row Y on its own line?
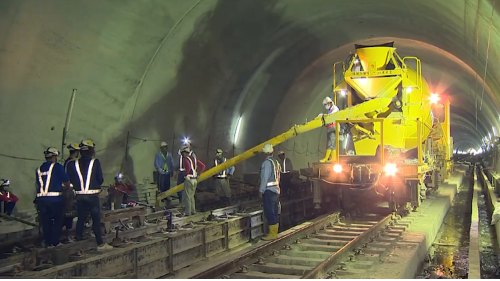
column 148, row 70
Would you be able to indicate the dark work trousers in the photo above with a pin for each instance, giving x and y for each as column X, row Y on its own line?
column 51, row 217
column 8, row 207
column 270, row 202
column 164, row 182
column 286, row 184
column 68, row 223
column 180, row 180
column 84, row 205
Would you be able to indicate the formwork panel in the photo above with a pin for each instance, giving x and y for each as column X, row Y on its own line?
column 183, row 241
column 152, row 251
column 108, row 265
column 215, row 247
column 239, row 238
column 214, row 232
column 155, row 269
column 188, row 257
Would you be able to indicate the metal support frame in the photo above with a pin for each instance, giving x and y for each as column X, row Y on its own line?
column 337, row 131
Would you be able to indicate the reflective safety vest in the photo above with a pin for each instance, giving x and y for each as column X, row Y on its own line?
column 222, row 174
column 69, row 160
column 284, row 170
column 165, row 166
column 44, row 188
column 333, row 109
column 193, row 173
column 276, row 172
column 85, row 188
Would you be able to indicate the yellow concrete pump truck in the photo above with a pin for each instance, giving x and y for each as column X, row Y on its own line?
column 399, row 145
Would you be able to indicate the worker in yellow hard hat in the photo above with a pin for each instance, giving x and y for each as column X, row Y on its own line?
column 330, row 132
column 269, row 190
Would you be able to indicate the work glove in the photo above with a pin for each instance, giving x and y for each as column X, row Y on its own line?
column 159, row 170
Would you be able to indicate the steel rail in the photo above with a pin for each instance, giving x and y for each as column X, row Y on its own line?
column 233, row 265
column 323, row 269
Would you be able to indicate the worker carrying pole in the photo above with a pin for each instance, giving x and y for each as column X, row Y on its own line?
column 269, row 190
column 330, row 132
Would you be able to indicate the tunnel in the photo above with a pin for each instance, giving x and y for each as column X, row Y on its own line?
column 213, row 70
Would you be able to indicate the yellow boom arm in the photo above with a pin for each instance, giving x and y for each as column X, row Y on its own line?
column 355, row 112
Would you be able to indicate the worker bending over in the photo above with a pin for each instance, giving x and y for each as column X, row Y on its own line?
column 222, row 186
column 8, row 198
column 69, row 194
column 51, row 179
column 286, row 176
column 269, row 190
column 86, row 177
column 192, row 167
column 330, row 132
column 164, row 165
column 119, row 193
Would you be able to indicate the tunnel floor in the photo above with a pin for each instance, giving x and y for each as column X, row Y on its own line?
column 488, row 247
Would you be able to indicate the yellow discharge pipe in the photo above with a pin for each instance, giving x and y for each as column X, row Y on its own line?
column 355, row 112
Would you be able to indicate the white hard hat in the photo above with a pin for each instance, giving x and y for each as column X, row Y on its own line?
column 86, row 144
column 218, row 151
column 4, row 182
column 185, row 149
column 327, row 100
column 163, row 144
column 51, row 151
column 267, row 148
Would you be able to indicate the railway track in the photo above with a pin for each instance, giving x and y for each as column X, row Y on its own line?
column 329, row 247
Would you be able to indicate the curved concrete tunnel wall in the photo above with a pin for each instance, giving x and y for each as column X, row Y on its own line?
column 152, row 69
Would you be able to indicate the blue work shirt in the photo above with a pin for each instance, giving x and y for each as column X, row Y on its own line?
column 270, row 175
column 225, row 173
column 57, row 178
column 166, row 163
column 66, row 163
column 96, row 177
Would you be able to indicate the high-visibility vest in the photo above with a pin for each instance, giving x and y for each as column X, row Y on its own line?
column 85, row 188
column 44, row 188
column 222, row 174
column 333, row 109
column 193, row 173
column 276, row 172
column 165, row 166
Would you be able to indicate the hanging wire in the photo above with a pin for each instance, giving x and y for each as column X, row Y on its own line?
column 487, row 55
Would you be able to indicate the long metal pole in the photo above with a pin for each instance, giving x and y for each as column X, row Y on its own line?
column 66, row 124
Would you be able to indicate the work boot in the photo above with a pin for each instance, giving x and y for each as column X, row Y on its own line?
column 273, row 232
column 327, row 156
column 104, row 247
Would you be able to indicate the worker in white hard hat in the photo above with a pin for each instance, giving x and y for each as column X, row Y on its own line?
column 330, row 133
column 51, row 179
column 180, row 176
column 269, row 190
column 286, row 176
column 8, row 198
column 222, row 186
column 86, row 177
column 164, row 165
column 192, row 168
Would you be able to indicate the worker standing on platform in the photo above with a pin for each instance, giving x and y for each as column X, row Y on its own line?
column 180, row 176
column 286, row 176
column 269, row 190
column 164, row 165
column 222, row 184
column 192, row 167
column 51, row 179
column 86, row 177
column 8, row 198
column 330, row 133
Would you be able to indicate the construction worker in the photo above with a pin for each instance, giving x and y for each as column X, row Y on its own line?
column 192, row 167
column 180, row 176
column 69, row 194
column 51, row 179
column 330, row 133
column 74, row 151
column 8, row 198
column 86, row 177
column 269, row 190
column 285, row 176
column 222, row 179
column 119, row 193
column 164, row 164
